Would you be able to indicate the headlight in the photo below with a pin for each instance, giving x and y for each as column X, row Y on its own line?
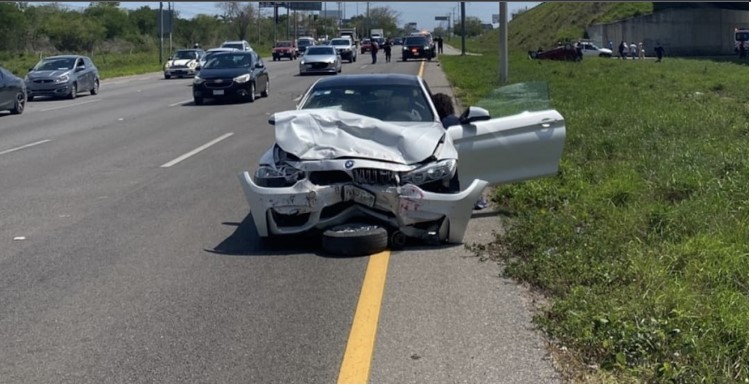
column 302, row 62
column 192, row 63
column 271, row 177
column 436, row 171
column 26, row 79
column 197, row 80
column 242, row 78
column 331, row 61
column 62, row 79
column 426, row 47
column 405, row 48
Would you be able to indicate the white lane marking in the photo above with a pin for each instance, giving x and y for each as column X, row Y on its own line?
column 24, row 146
column 71, row 105
column 181, row 102
column 363, row 66
column 196, row 150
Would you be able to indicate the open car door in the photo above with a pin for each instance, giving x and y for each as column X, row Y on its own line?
column 508, row 149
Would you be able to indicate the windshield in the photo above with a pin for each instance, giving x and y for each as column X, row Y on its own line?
column 340, row 42
column 320, row 51
column 304, row 42
column 55, row 64
column 237, row 46
column 225, row 60
column 416, row 40
column 180, row 55
column 284, row 44
column 391, row 103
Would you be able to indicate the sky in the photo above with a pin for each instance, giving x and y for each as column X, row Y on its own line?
column 421, row 12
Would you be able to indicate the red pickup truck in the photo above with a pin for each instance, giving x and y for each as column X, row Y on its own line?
column 284, row 49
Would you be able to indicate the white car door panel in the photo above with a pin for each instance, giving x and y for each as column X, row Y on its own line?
column 509, row 149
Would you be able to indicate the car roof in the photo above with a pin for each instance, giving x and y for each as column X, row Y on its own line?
column 369, row 80
column 63, row 57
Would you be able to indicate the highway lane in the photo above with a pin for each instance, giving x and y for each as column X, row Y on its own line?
column 135, row 272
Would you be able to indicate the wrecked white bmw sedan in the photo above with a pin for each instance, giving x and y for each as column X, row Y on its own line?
column 366, row 160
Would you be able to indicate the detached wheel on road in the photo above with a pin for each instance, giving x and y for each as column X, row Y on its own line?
column 355, row 239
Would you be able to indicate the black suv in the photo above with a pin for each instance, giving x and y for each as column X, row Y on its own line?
column 416, row 47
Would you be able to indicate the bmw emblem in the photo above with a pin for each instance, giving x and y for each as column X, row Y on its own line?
column 349, row 164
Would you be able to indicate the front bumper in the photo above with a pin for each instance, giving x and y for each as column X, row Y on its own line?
column 224, row 88
column 317, row 67
column 416, row 53
column 413, row 211
column 43, row 87
column 180, row 71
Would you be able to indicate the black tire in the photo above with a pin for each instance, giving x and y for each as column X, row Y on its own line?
column 73, row 91
column 404, row 58
column 252, row 93
column 198, row 100
column 95, row 90
column 266, row 91
column 20, row 104
column 355, row 239
column 354, row 58
column 167, row 76
column 29, row 98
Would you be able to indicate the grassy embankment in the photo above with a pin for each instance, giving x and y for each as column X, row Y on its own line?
column 640, row 241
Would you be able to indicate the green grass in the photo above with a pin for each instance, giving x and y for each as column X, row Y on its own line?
column 641, row 239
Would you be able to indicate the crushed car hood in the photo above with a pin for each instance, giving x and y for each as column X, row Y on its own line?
column 317, row 134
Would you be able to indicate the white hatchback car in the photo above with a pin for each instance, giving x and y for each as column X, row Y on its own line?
column 366, row 160
column 591, row 49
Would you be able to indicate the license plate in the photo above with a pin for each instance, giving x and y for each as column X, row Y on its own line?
column 360, row 196
column 218, row 92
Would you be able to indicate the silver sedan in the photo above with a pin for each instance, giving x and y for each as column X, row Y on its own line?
column 319, row 59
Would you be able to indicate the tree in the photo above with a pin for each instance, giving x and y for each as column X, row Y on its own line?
column 472, row 26
column 239, row 17
column 112, row 18
column 11, row 27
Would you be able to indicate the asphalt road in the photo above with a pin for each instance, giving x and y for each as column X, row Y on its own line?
column 124, row 261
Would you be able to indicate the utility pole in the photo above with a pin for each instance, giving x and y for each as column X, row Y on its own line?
column 170, row 10
column 367, row 19
column 503, row 51
column 464, row 32
column 161, row 32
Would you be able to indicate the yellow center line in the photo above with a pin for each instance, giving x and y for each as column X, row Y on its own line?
column 359, row 352
column 422, row 67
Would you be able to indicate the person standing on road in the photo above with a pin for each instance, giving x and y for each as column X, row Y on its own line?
column 387, row 50
column 374, row 50
column 440, row 45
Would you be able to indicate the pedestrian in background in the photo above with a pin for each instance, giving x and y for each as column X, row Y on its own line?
column 440, row 45
column 445, row 108
column 659, row 51
column 387, row 50
column 374, row 50
column 632, row 47
column 622, row 49
column 641, row 51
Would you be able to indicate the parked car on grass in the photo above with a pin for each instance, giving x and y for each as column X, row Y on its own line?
column 183, row 63
column 284, row 49
column 62, row 76
column 365, row 161
column 591, row 49
column 12, row 92
column 231, row 75
column 345, row 48
column 320, row 59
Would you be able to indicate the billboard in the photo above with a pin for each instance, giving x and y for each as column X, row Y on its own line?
column 305, row 5
column 164, row 22
column 329, row 14
column 446, row 18
column 496, row 18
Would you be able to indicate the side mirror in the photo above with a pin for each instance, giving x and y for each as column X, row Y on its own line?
column 31, row 69
column 80, row 68
column 259, row 65
column 272, row 120
column 474, row 114
column 170, row 58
